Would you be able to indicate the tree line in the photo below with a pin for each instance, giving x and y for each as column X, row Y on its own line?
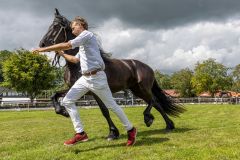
column 207, row 76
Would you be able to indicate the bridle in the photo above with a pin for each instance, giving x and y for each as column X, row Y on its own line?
column 57, row 57
column 57, row 35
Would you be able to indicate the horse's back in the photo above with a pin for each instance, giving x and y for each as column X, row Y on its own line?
column 144, row 74
column 119, row 73
column 129, row 71
column 142, row 71
column 143, row 67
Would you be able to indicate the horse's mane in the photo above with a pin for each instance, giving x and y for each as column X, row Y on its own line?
column 105, row 55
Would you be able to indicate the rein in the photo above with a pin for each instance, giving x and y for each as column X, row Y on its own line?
column 56, row 60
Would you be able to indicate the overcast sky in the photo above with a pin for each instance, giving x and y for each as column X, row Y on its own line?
column 169, row 35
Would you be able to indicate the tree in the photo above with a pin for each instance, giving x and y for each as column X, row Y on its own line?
column 236, row 78
column 211, row 76
column 4, row 55
column 163, row 80
column 59, row 82
column 181, row 81
column 27, row 72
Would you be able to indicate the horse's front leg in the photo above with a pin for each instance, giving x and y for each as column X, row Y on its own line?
column 58, row 108
column 113, row 131
column 148, row 117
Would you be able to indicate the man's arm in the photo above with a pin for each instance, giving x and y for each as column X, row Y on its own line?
column 56, row 47
column 68, row 57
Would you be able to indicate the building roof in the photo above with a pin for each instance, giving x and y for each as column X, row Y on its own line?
column 220, row 94
column 172, row 92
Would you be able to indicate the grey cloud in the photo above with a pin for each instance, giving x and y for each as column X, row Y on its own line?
column 174, row 49
column 152, row 14
column 24, row 31
column 162, row 33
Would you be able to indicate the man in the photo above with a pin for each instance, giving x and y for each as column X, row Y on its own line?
column 94, row 79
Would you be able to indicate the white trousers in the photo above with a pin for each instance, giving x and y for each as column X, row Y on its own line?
column 97, row 84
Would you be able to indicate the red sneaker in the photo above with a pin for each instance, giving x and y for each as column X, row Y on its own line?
column 132, row 137
column 76, row 139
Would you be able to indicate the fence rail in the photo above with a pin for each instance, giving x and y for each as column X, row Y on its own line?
column 46, row 103
column 201, row 100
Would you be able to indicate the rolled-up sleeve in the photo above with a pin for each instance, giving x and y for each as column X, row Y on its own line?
column 81, row 39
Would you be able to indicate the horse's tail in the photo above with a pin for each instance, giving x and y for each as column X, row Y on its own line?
column 168, row 105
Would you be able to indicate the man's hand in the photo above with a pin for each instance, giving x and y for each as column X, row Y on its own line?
column 37, row 50
column 60, row 53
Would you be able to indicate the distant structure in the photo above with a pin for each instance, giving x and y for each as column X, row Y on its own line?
column 6, row 92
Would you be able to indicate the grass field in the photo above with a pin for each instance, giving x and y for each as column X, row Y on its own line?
column 203, row 132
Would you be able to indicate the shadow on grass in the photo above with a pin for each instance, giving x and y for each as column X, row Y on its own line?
column 140, row 142
column 164, row 131
column 143, row 139
column 147, row 133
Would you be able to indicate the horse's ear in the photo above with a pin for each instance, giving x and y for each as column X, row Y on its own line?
column 56, row 12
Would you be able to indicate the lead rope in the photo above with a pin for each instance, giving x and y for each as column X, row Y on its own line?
column 56, row 60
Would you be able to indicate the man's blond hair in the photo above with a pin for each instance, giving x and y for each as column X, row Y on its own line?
column 81, row 21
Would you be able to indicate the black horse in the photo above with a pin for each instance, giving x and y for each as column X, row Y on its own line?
column 121, row 74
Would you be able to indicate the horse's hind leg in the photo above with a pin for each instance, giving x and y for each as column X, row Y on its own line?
column 58, row 108
column 148, row 117
column 169, row 122
column 113, row 131
column 146, row 96
column 141, row 91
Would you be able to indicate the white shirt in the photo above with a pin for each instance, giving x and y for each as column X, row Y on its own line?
column 89, row 52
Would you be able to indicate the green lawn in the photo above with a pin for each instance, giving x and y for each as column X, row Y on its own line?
column 203, row 132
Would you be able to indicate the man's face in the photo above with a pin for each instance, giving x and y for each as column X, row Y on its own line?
column 76, row 28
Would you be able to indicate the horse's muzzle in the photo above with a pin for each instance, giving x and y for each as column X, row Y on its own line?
column 41, row 44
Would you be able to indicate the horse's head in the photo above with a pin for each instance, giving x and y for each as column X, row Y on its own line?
column 59, row 31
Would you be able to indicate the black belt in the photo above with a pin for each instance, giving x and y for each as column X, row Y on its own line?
column 92, row 72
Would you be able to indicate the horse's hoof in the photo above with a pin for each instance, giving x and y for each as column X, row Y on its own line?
column 148, row 119
column 113, row 135
column 63, row 112
column 149, row 122
column 170, row 127
column 111, row 138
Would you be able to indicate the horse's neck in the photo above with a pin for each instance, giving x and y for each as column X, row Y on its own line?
column 72, row 73
column 70, row 36
column 73, row 67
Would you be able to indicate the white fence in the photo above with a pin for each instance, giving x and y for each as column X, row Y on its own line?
column 6, row 103
column 201, row 100
column 9, row 101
